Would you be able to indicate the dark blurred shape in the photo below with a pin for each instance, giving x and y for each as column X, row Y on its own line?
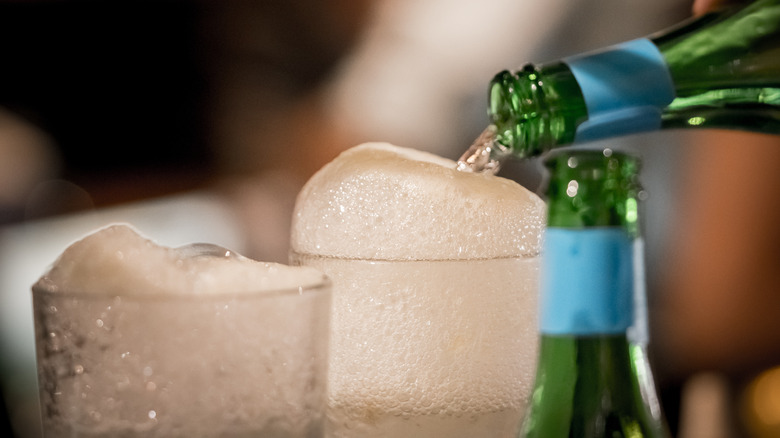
column 56, row 197
column 27, row 158
column 760, row 404
column 5, row 423
column 146, row 98
column 114, row 83
column 142, row 99
column 266, row 64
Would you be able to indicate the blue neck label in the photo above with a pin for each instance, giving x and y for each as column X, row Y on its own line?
column 587, row 282
column 626, row 87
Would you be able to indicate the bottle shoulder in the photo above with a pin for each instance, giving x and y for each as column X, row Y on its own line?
column 586, row 387
column 732, row 48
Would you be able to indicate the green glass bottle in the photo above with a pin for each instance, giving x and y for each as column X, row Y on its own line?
column 592, row 381
column 721, row 70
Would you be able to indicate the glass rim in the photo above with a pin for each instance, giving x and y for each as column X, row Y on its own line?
column 323, row 286
column 296, row 254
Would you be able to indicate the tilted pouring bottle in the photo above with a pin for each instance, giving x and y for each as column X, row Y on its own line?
column 721, row 70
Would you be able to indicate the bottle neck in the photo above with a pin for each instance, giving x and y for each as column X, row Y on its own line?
column 587, row 282
column 620, row 90
column 589, row 247
column 587, row 380
column 594, row 189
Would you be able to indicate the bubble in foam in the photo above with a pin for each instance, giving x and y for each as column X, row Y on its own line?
column 385, row 202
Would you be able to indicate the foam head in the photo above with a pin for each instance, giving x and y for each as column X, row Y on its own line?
column 117, row 260
column 383, row 202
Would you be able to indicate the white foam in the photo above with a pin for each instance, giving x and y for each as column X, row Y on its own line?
column 117, row 260
column 384, row 202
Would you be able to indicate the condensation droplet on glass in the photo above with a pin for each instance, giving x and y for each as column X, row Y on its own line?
column 152, row 414
column 572, row 162
column 151, row 386
column 148, row 371
column 99, row 323
column 572, row 187
column 78, row 369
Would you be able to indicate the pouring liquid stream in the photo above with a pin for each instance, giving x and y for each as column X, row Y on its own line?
column 485, row 155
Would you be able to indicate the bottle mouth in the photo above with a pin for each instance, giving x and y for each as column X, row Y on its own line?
column 516, row 108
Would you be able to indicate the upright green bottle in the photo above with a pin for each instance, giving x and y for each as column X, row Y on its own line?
column 721, row 70
column 592, row 381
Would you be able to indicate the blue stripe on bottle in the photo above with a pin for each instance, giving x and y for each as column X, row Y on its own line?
column 625, row 88
column 587, row 281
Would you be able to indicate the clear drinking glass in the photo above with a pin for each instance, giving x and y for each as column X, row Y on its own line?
column 227, row 364
column 429, row 348
column 435, row 279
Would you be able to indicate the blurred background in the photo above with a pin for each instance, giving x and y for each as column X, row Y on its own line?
column 200, row 120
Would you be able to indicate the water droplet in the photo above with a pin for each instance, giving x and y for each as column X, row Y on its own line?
column 195, row 250
column 571, row 189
